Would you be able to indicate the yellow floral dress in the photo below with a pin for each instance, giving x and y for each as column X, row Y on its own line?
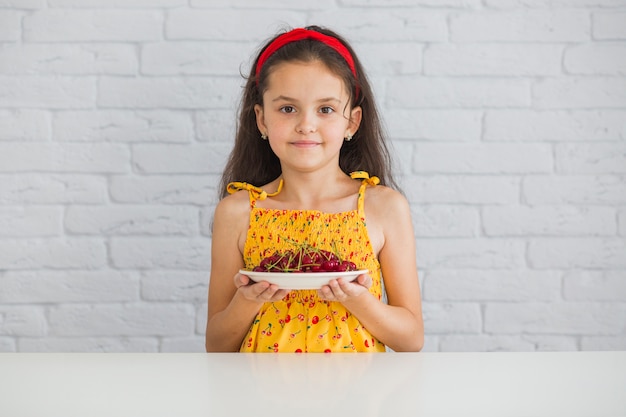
column 301, row 321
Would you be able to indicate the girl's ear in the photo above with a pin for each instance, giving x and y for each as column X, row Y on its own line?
column 355, row 120
column 260, row 120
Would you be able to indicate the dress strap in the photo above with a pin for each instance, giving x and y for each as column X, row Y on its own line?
column 256, row 193
column 367, row 180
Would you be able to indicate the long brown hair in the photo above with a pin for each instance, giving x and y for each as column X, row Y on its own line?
column 253, row 161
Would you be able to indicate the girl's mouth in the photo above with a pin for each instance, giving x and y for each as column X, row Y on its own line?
column 305, row 144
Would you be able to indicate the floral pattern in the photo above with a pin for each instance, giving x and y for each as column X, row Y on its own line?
column 302, row 322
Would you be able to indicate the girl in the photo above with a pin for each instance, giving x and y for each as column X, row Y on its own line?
column 307, row 139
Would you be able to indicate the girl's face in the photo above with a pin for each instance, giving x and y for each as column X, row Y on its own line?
column 306, row 115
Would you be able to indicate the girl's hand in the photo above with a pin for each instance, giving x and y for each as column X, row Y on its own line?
column 261, row 291
column 342, row 290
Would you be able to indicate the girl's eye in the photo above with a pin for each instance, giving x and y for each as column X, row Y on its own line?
column 287, row 109
column 327, row 110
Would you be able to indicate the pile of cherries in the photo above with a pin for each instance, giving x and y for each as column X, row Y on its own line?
column 305, row 258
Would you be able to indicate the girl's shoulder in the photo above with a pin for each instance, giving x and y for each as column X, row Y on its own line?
column 381, row 193
column 386, row 201
column 234, row 204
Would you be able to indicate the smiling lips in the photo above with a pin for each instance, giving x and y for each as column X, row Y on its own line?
column 305, row 144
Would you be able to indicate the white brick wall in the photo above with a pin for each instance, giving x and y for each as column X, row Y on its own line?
column 508, row 120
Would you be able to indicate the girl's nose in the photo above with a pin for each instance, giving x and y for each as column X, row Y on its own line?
column 306, row 124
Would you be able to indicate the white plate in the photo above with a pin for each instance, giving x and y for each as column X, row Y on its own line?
column 301, row 280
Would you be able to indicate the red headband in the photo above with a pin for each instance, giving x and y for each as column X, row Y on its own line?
column 300, row 34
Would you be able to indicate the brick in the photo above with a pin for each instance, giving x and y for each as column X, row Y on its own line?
column 187, row 286
column 32, row 188
column 482, row 158
column 493, row 59
column 173, row 189
column 574, row 189
column 491, row 285
column 484, row 343
column 24, row 125
column 206, row 220
column 169, row 159
column 215, row 125
column 230, row 25
column 206, row 58
column 431, row 343
column 399, row 3
column 404, row 24
column 458, row 189
column 444, row 221
column 123, row 126
column 597, row 158
column 584, row 285
column 577, row 253
column 116, row 3
column 7, row 344
column 181, row 345
column 47, row 92
column 52, row 253
column 134, row 320
column 456, row 253
column 390, row 58
column 30, row 221
column 595, row 343
column 443, row 318
column 170, row 93
column 135, row 220
column 402, row 152
column 269, row 4
column 435, row 125
column 23, row 321
column 555, row 125
column 521, row 26
column 68, row 59
column 579, row 93
column 23, row 4
column 10, row 25
column 609, row 25
column 89, row 344
column 78, row 158
column 548, row 221
column 555, row 318
column 562, row 343
column 201, row 317
column 449, row 93
column 32, row 287
column 161, row 253
column 595, row 59
column 66, row 25
column 507, row 4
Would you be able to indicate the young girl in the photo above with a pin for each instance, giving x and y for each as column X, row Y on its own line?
column 308, row 139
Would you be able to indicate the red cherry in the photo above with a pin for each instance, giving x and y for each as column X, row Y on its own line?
column 315, row 320
column 330, row 265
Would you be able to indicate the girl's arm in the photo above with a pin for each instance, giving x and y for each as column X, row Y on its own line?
column 398, row 324
column 232, row 303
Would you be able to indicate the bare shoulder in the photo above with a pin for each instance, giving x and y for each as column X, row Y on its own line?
column 388, row 214
column 385, row 201
column 233, row 210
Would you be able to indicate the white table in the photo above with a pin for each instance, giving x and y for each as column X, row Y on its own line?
column 394, row 384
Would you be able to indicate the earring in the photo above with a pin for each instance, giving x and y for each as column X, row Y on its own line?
column 263, row 136
column 348, row 137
